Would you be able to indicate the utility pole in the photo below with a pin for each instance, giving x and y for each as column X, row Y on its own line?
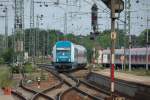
column 65, row 23
column 13, row 42
column 147, row 45
column 94, row 24
column 113, row 40
column 32, row 32
column 48, row 43
column 19, row 33
column 147, row 38
column 116, row 6
column 5, row 10
column 6, row 27
column 3, row 39
column 37, row 35
column 125, row 31
column 128, row 13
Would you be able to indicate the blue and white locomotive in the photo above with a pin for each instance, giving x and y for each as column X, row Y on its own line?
column 67, row 55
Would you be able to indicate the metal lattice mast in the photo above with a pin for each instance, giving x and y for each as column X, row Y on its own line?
column 147, row 37
column 6, row 27
column 147, row 44
column 125, row 31
column 128, row 5
column 31, row 35
column 37, row 35
column 19, row 33
column 5, row 45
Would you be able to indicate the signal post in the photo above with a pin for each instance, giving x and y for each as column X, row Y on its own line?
column 116, row 6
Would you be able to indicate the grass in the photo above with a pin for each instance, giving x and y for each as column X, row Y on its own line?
column 96, row 68
column 28, row 68
column 139, row 72
column 135, row 71
column 5, row 77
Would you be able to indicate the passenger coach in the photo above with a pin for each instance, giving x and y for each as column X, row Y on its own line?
column 138, row 57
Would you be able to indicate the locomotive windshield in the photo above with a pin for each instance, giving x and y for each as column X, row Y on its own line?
column 63, row 50
column 59, row 51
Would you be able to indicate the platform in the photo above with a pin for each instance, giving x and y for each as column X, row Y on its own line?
column 145, row 80
column 1, row 92
column 6, row 97
column 137, row 87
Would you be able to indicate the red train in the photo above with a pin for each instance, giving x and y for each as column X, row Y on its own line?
column 138, row 57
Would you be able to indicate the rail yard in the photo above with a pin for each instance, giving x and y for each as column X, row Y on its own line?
column 74, row 50
column 78, row 85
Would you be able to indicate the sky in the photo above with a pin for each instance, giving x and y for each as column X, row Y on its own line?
column 78, row 16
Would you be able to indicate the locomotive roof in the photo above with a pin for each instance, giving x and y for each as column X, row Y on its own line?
column 63, row 44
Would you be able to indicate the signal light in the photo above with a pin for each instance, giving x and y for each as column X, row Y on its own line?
column 92, row 36
column 94, row 14
column 96, row 33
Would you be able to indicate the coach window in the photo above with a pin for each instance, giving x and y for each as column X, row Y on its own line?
column 133, row 57
column 140, row 57
column 136, row 57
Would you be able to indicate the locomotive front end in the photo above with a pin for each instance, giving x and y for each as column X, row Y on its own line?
column 63, row 55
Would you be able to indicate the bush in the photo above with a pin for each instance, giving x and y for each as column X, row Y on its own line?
column 1, row 61
column 28, row 68
column 5, row 77
column 8, row 55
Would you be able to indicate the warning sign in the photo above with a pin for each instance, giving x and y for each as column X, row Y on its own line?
column 113, row 35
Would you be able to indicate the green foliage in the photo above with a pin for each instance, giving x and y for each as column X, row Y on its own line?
column 88, row 44
column 8, row 55
column 104, row 39
column 1, row 61
column 5, row 77
column 141, row 39
column 47, row 39
column 28, row 68
column 15, row 69
column 138, row 71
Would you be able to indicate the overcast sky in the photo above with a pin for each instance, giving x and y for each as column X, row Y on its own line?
column 79, row 22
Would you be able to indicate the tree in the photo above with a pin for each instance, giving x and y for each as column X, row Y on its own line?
column 142, row 38
column 8, row 55
column 1, row 44
column 104, row 39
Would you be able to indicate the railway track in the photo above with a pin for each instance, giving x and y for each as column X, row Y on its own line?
column 18, row 96
column 69, row 86
column 73, row 84
column 25, row 93
column 22, row 92
column 31, row 94
column 89, row 90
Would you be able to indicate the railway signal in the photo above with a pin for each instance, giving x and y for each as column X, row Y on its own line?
column 94, row 17
column 94, row 21
column 116, row 6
